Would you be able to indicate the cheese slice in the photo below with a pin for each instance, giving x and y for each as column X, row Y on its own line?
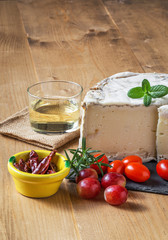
column 162, row 133
column 118, row 125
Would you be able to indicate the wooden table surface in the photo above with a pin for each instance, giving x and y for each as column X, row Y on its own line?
column 82, row 41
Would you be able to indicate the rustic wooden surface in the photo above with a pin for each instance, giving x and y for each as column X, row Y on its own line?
column 143, row 24
column 82, row 41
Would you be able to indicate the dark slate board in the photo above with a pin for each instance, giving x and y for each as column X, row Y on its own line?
column 154, row 185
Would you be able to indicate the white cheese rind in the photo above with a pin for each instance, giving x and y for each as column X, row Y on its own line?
column 114, row 89
column 118, row 125
column 162, row 133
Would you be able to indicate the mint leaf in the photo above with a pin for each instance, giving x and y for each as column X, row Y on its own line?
column 158, row 91
column 146, row 85
column 148, row 92
column 136, row 92
column 147, row 100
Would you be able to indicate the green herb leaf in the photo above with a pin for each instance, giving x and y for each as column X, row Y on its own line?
column 93, row 151
column 99, row 166
column 148, row 92
column 158, row 91
column 136, row 92
column 75, row 154
column 106, row 164
column 146, row 85
column 98, row 157
column 83, row 158
column 84, row 143
column 147, row 100
column 68, row 159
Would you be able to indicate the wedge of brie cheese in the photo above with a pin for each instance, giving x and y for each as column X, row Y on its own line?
column 118, row 125
column 162, row 133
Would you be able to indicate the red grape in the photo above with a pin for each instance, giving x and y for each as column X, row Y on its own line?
column 88, row 188
column 113, row 179
column 115, row 195
column 86, row 173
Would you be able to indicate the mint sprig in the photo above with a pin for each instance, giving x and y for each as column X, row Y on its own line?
column 148, row 92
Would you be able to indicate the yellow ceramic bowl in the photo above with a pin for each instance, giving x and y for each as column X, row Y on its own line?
column 38, row 185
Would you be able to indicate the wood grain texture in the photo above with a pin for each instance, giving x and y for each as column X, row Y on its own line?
column 21, row 217
column 143, row 216
column 80, row 41
column 16, row 68
column 75, row 40
column 144, row 26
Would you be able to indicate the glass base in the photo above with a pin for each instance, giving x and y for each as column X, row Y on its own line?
column 59, row 127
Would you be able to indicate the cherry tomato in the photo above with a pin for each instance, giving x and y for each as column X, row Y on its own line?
column 104, row 159
column 116, row 166
column 162, row 169
column 131, row 158
column 137, row 172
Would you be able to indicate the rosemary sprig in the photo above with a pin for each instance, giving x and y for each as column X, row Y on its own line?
column 83, row 158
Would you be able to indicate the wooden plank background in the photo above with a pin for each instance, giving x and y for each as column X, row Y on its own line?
column 66, row 37
column 143, row 24
column 82, row 41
